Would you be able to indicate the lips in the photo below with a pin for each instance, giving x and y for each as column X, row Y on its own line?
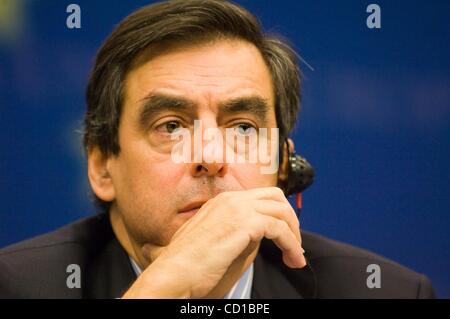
column 192, row 207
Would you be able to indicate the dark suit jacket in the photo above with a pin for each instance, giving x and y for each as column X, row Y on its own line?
column 36, row 268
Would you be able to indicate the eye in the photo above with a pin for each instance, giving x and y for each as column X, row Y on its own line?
column 168, row 127
column 246, row 129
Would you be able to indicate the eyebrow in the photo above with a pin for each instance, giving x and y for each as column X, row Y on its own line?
column 254, row 104
column 157, row 103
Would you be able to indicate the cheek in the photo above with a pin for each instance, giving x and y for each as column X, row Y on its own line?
column 145, row 178
column 250, row 176
column 147, row 196
column 151, row 178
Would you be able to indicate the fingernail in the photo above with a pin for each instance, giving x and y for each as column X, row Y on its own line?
column 300, row 263
column 304, row 262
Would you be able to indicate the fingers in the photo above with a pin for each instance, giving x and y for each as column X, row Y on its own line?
column 282, row 211
column 271, row 202
column 273, row 193
column 265, row 211
column 279, row 232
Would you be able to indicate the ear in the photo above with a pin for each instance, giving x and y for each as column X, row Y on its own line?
column 283, row 171
column 99, row 174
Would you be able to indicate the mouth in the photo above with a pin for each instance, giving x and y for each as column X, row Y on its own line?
column 189, row 213
column 192, row 208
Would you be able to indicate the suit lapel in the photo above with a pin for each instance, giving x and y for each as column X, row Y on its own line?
column 110, row 274
column 272, row 279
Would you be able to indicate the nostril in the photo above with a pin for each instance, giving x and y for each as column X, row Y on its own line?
column 199, row 168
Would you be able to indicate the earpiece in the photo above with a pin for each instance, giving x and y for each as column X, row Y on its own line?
column 300, row 176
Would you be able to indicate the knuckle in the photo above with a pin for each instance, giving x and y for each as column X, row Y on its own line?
column 279, row 225
column 284, row 225
column 222, row 195
column 256, row 229
column 287, row 207
column 278, row 192
column 232, row 203
column 223, row 198
column 289, row 212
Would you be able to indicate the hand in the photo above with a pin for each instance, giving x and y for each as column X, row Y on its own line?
column 209, row 253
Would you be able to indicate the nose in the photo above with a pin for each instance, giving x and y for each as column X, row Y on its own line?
column 208, row 169
column 212, row 161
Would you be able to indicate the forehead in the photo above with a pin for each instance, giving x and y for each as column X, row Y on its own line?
column 207, row 73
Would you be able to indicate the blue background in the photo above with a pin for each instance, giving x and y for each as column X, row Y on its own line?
column 375, row 121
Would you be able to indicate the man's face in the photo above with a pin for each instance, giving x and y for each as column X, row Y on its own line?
column 224, row 84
